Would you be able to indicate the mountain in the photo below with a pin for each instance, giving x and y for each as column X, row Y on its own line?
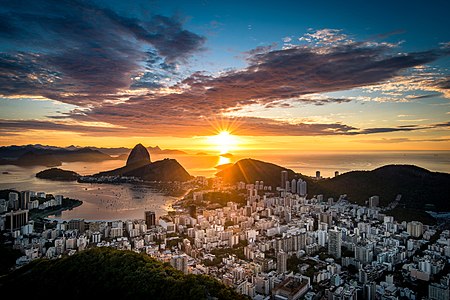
column 48, row 155
column 419, row 188
column 139, row 165
column 108, row 273
column 58, row 174
column 138, row 156
column 157, row 150
column 161, row 170
column 250, row 170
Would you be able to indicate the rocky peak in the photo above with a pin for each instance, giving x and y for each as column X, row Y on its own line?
column 139, row 155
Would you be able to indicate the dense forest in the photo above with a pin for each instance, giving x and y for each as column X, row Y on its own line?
column 106, row 272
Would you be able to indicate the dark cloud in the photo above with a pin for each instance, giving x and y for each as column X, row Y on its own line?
column 401, row 128
column 273, row 79
column 386, row 129
column 89, row 52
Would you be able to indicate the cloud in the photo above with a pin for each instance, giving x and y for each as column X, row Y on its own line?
column 274, row 78
column 12, row 126
column 83, row 54
column 402, row 140
column 99, row 60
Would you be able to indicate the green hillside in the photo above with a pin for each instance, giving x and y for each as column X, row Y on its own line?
column 105, row 272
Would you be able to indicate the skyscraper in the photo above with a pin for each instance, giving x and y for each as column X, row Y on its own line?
column 25, row 198
column 16, row 219
column 150, row 218
column 414, row 228
column 301, row 187
column 281, row 262
column 334, row 242
column 13, row 199
column 284, row 178
column 317, row 174
column 294, row 186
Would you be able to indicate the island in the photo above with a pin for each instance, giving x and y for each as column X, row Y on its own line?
column 58, row 174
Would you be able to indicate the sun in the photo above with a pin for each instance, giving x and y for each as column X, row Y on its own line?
column 224, row 142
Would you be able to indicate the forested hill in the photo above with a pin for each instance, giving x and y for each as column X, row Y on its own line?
column 104, row 273
column 419, row 188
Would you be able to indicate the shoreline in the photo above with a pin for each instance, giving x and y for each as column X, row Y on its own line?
column 43, row 214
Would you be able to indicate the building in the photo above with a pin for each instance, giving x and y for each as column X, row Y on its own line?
column 281, row 262
column 77, row 224
column 150, row 218
column 438, row 291
column 322, row 237
column 292, row 288
column 318, row 175
column 364, row 253
column 284, row 179
column 14, row 220
column 326, row 218
column 13, row 200
column 414, row 228
column 180, row 262
column 25, row 198
column 334, row 242
column 301, row 187
column 374, row 201
column 293, row 186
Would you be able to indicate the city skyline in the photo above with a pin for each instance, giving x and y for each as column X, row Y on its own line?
column 226, row 76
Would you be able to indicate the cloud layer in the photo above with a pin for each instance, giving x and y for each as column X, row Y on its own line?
column 124, row 71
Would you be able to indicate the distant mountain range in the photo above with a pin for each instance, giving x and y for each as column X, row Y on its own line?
column 30, row 156
column 37, row 154
column 419, row 188
column 152, row 150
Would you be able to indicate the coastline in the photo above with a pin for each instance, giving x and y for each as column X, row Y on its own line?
column 36, row 214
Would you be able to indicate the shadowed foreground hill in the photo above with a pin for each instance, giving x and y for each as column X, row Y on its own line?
column 420, row 188
column 417, row 186
column 250, row 170
column 105, row 272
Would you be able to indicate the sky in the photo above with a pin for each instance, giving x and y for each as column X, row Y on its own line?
column 276, row 75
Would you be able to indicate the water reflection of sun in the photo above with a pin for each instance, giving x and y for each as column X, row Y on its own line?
column 223, row 160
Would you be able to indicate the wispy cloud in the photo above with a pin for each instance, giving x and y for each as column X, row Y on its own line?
column 403, row 140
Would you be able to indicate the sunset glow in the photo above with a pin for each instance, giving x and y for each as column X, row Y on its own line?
column 215, row 83
column 224, row 142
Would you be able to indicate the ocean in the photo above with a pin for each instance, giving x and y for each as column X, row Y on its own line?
column 128, row 201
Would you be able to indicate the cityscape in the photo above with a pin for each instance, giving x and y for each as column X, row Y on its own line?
column 275, row 244
column 259, row 150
